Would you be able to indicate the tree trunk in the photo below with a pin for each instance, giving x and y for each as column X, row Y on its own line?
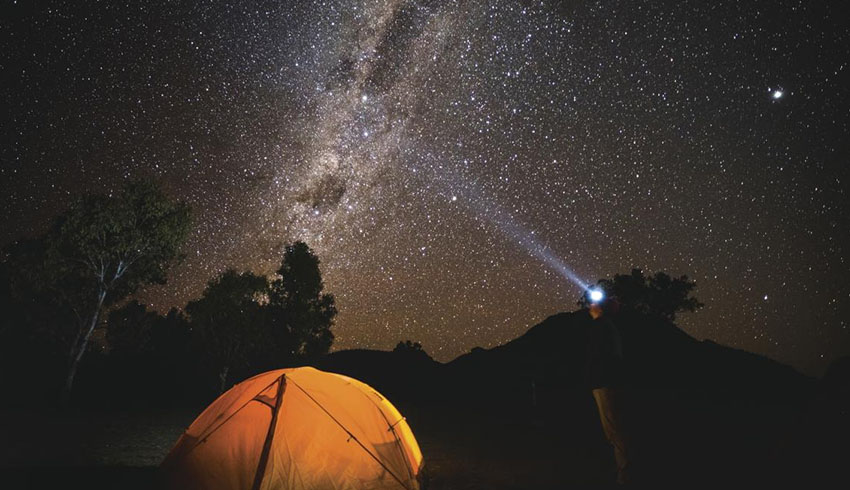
column 79, row 348
column 223, row 377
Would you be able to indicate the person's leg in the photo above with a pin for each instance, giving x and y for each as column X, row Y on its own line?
column 608, row 404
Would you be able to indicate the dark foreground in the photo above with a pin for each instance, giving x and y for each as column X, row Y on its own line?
column 464, row 448
column 513, row 417
column 123, row 450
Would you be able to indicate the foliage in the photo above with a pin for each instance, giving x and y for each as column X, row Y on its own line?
column 128, row 329
column 659, row 295
column 107, row 246
column 408, row 346
column 35, row 327
column 33, row 312
column 169, row 337
column 120, row 241
column 133, row 331
column 57, row 288
column 95, row 254
column 300, row 313
column 411, row 348
column 227, row 321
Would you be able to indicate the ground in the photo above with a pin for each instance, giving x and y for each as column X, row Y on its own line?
column 463, row 450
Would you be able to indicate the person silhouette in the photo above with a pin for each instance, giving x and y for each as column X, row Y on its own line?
column 604, row 374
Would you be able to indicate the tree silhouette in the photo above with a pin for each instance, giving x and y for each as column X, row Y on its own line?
column 299, row 312
column 33, row 309
column 36, row 324
column 659, row 295
column 96, row 254
column 169, row 337
column 411, row 348
column 128, row 329
column 408, row 346
column 227, row 321
column 134, row 330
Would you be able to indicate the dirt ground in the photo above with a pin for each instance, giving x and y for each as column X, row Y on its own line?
column 86, row 450
column 122, row 450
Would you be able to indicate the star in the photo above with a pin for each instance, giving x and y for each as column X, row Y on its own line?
column 409, row 135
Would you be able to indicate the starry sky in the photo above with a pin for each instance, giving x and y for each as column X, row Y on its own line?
column 459, row 166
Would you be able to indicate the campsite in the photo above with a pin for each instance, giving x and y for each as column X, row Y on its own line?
column 424, row 244
column 480, row 425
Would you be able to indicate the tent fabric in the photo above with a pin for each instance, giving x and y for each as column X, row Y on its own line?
column 331, row 432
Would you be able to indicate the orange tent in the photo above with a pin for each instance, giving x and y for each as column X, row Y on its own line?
column 297, row 428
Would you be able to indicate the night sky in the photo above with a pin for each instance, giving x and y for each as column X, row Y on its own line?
column 454, row 163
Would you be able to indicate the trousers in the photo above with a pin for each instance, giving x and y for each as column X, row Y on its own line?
column 611, row 405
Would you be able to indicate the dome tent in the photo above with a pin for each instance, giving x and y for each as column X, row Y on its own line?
column 297, row 428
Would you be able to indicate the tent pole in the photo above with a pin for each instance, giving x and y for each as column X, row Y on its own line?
column 264, row 455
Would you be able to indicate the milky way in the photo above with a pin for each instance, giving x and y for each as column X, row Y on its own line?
column 453, row 162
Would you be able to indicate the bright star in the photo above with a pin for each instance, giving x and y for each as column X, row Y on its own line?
column 777, row 94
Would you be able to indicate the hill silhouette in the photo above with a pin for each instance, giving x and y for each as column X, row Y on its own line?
column 701, row 409
column 516, row 416
column 552, row 354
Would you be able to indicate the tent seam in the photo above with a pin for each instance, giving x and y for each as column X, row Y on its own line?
column 352, row 436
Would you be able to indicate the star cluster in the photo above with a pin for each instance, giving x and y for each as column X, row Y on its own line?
column 438, row 154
